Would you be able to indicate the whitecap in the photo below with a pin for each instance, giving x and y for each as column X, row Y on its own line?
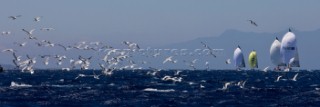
column 158, row 90
column 63, row 86
column 14, row 84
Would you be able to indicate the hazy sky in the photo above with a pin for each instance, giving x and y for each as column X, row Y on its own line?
column 155, row 22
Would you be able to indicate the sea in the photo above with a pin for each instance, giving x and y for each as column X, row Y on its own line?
column 160, row 88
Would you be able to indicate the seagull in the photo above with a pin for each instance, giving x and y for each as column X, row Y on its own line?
column 225, row 86
column 75, row 63
column 131, row 45
column 6, row 33
column 29, row 33
column 210, row 49
column 16, row 58
column 60, row 58
column 14, row 17
column 31, row 60
column 177, row 72
column 85, row 65
column 295, row 77
column 106, row 47
column 39, row 44
column 253, row 23
column 105, row 70
column 37, row 19
column 207, row 65
column 278, row 78
column 173, row 79
column 241, row 84
column 21, row 44
column 80, row 75
column 15, row 62
column 169, row 59
column 95, row 76
column 28, row 68
column 46, row 59
column 8, row 50
column 65, row 69
column 201, row 86
column 266, row 69
column 48, row 43
column 191, row 64
column 153, row 71
column 156, row 54
column 95, row 43
column 47, row 29
column 65, row 48
column 228, row 61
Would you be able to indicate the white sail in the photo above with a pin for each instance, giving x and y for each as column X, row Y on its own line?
column 288, row 47
column 294, row 62
column 275, row 55
column 238, row 58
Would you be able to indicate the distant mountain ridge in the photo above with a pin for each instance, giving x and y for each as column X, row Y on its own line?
column 307, row 42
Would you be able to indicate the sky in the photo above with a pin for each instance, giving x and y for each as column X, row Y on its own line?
column 156, row 22
column 150, row 23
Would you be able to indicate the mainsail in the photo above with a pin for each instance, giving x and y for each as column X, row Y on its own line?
column 275, row 55
column 288, row 48
column 253, row 61
column 238, row 58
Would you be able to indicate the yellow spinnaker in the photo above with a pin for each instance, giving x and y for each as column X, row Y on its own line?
column 253, row 61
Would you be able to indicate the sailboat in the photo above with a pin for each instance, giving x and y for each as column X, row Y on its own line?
column 238, row 58
column 253, row 60
column 275, row 54
column 289, row 50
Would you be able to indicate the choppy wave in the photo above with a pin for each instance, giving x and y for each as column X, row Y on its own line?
column 165, row 88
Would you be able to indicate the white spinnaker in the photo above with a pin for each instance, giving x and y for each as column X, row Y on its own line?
column 275, row 55
column 238, row 58
column 288, row 47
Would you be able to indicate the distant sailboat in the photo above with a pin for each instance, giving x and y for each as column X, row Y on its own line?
column 288, row 50
column 275, row 54
column 238, row 58
column 253, row 60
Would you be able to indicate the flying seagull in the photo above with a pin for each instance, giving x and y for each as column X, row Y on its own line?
column 210, row 49
column 14, row 17
column 253, row 23
column 47, row 29
column 6, row 33
column 37, row 19
column 169, row 59
column 228, row 61
column 29, row 33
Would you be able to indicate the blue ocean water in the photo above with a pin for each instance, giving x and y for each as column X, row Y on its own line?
column 160, row 88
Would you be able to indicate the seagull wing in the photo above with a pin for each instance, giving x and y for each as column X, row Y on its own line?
column 25, row 31
column 31, row 31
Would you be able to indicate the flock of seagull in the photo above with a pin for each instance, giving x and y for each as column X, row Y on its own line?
column 110, row 60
